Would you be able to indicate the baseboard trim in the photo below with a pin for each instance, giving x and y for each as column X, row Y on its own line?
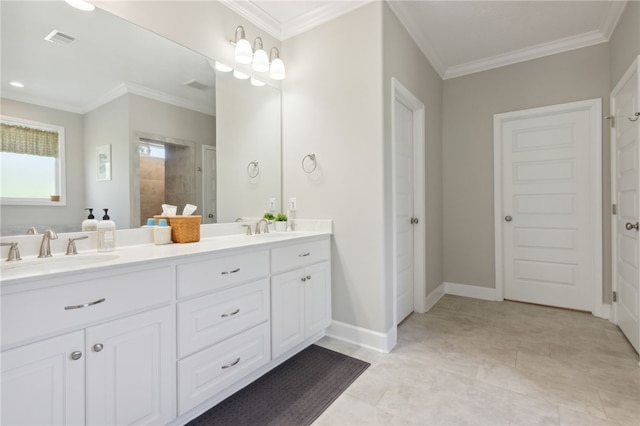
column 382, row 342
column 472, row 291
column 433, row 297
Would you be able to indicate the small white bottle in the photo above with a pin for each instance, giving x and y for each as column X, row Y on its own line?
column 162, row 233
column 90, row 223
column 106, row 233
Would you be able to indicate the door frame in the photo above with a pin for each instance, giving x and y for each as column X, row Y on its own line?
column 402, row 94
column 203, row 176
column 595, row 108
column 614, row 167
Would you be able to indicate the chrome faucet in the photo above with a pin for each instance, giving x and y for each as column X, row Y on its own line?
column 32, row 231
column 266, row 226
column 71, row 245
column 14, row 253
column 45, row 246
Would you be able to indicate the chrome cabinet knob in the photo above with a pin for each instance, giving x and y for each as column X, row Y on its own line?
column 631, row 226
column 76, row 355
column 508, row 218
column 98, row 347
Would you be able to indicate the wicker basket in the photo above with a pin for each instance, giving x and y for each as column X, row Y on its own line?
column 184, row 229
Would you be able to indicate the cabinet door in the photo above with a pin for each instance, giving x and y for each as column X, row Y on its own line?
column 42, row 384
column 287, row 311
column 317, row 295
column 131, row 370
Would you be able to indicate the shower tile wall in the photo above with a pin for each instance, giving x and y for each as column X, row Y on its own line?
column 152, row 187
column 179, row 174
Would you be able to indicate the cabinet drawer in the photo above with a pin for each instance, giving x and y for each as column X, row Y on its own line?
column 299, row 255
column 203, row 375
column 30, row 314
column 212, row 318
column 217, row 273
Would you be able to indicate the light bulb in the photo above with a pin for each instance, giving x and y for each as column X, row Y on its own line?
column 243, row 53
column 277, row 69
column 260, row 61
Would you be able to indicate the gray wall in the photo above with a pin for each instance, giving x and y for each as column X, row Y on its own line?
column 403, row 60
column 17, row 219
column 469, row 105
column 625, row 41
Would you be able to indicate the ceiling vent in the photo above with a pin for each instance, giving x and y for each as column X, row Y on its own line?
column 196, row 84
column 58, row 37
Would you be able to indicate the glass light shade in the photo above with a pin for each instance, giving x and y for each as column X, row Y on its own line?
column 240, row 75
column 256, row 82
column 81, row 4
column 222, row 67
column 260, row 61
column 277, row 69
column 243, row 53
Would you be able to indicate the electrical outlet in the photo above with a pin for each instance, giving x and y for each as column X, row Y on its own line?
column 272, row 204
column 293, row 204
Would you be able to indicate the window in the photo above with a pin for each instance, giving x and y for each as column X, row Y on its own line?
column 31, row 163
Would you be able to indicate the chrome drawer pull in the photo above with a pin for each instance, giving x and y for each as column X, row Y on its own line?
column 67, row 308
column 230, row 272
column 230, row 314
column 304, row 255
column 232, row 364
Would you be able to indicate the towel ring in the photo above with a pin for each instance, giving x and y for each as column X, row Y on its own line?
column 637, row 116
column 253, row 169
column 312, row 158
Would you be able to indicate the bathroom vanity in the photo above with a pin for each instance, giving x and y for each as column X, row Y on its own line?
column 157, row 334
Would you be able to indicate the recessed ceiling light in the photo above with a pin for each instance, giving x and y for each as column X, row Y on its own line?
column 17, row 84
column 81, row 4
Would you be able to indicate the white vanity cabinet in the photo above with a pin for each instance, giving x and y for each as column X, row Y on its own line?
column 115, row 364
column 223, row 332
column 300, row 298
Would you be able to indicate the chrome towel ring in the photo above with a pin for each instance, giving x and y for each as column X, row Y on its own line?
column 636, row 115
column 253, row 169
column 309, row 168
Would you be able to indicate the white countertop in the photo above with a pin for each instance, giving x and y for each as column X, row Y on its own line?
column 31, row 267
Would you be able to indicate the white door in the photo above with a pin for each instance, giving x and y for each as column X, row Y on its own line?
column 209, row 184
column 625, row 248
column 403, row 137
column 130, row 370
column 550, row 190
column 43, row 383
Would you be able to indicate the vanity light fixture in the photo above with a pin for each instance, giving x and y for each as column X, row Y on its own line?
column 240, row 75
column 260, row 57
column 222, row 67
column 256, row 82
column 277, row 71
column 243, row 52
column 81, row 5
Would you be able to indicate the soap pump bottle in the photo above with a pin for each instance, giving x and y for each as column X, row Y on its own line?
column 90, row 223
column 106, row 233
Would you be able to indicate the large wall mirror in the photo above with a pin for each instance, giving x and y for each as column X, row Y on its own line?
column 154, row 114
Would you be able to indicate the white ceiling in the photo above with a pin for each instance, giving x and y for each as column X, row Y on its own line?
column 460, row 37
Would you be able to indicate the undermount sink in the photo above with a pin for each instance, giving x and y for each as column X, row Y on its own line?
column 53, row 264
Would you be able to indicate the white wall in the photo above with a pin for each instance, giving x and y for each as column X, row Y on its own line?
column 248, row 129
column 15, row 220
column 625, row 41
column 332, row 106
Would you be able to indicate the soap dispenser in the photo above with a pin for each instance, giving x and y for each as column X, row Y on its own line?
column 106, row 233
column 90, row 223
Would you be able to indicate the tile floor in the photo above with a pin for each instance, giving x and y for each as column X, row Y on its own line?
column 476, row 362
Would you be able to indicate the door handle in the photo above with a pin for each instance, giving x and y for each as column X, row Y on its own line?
column 508, row 218
column 631, row 226
column 414, row 220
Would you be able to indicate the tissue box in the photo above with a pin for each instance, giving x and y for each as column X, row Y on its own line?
column 184, row 229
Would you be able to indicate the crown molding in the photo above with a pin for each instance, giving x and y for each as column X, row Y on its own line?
column 34, row 100
column 115, row 93
column 136, row 89
column 319, row 16
column 414, row 29
column 252, row 13
column 616, row 8
column 541, row 50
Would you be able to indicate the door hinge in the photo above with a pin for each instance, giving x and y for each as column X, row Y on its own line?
column 612, row 120
column 615, row 296
column 614, row 209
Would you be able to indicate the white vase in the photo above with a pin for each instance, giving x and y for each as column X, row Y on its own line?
column 281, row 226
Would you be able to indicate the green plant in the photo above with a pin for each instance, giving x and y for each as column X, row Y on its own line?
column 269, row 216
column 281, row 217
